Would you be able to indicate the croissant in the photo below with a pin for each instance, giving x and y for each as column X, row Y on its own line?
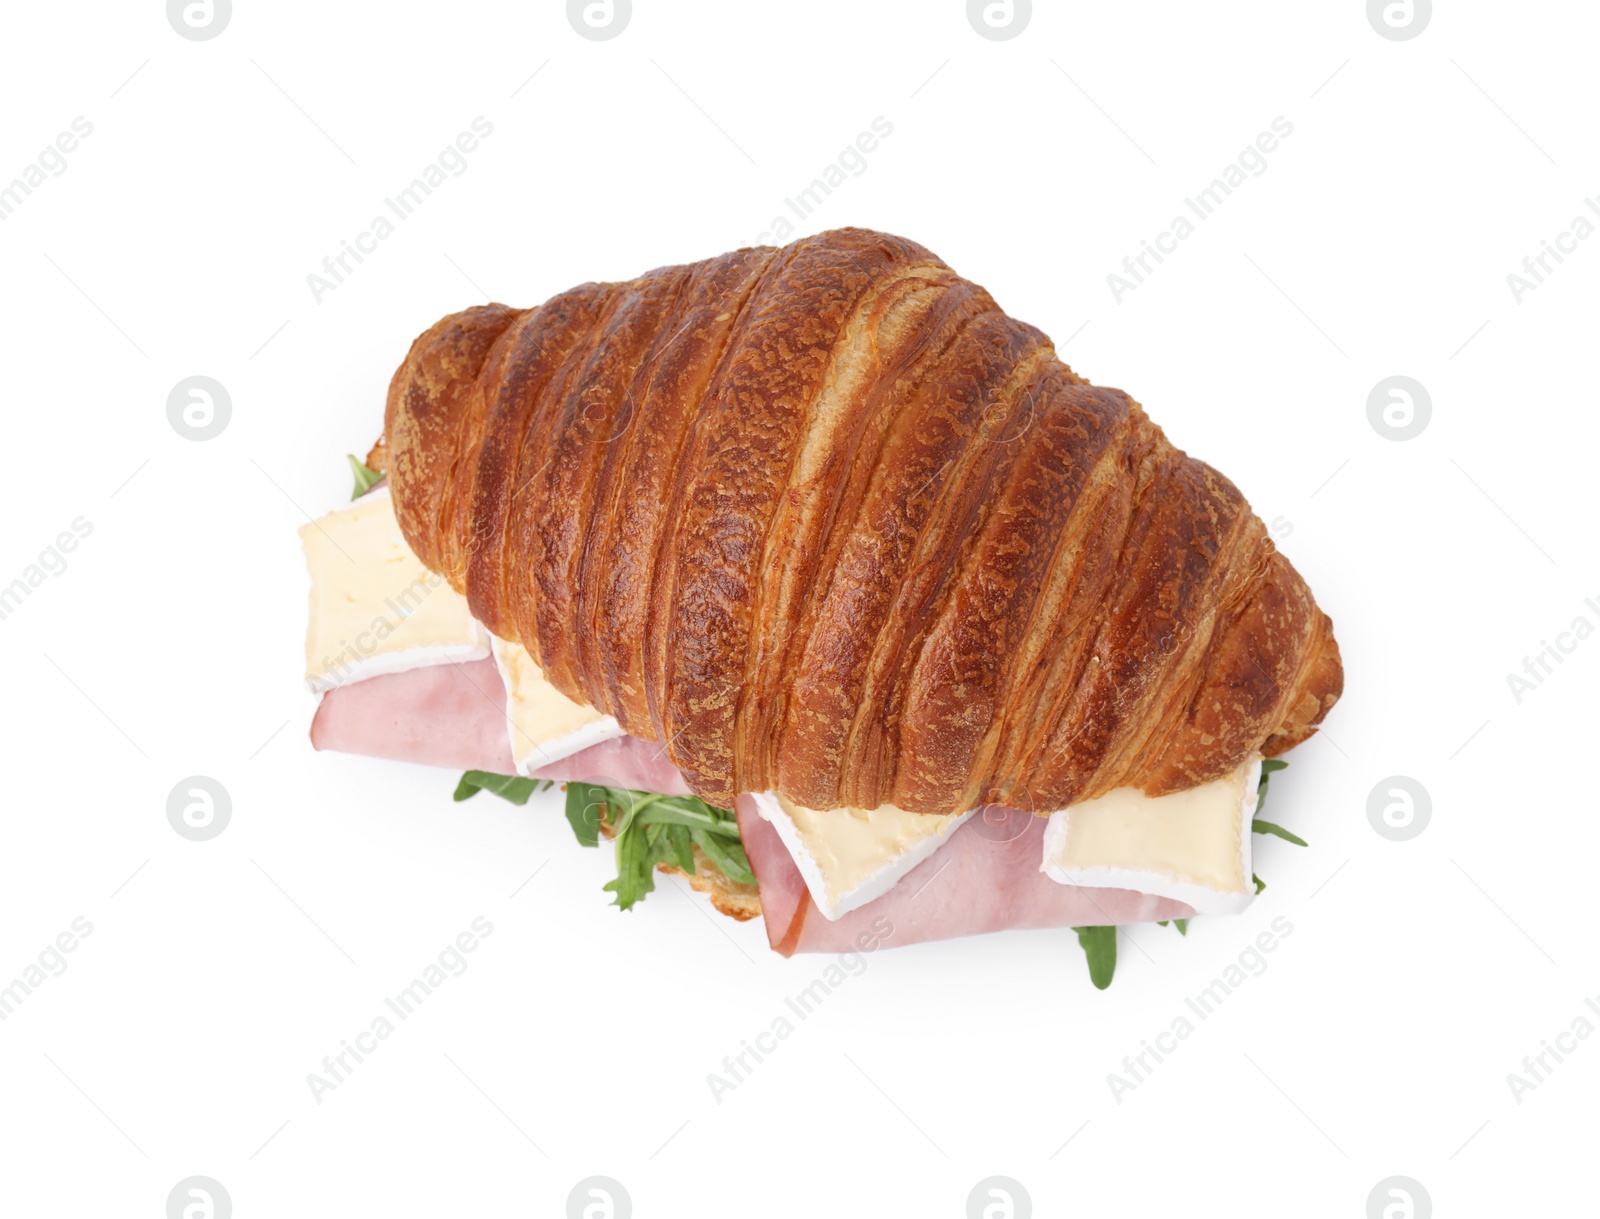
column 824, row 520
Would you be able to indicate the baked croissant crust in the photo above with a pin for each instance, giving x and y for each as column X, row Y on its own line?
column 824, row 520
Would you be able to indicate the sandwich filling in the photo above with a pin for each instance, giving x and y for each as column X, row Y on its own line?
column 544, row 725
column 1192, row 846
column 375, row 608
column 376, row 612
column 850, row 856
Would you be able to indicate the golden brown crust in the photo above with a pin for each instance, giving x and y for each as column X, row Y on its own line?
column 742, row 902
column 378, row 456
column 826, row 520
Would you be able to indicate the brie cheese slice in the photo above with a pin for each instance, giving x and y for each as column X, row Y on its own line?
column 849, row 856
column 375, row 608
column 544, row 724
column 1192, row 846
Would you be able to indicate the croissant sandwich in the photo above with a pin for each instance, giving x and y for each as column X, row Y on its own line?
column 817, row 578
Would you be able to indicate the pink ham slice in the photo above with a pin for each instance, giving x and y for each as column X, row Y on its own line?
column 453, row 715
column 986, row 878
column 627, row 761
column 450, row 715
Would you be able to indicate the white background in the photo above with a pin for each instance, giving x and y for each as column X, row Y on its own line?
column 178, row 241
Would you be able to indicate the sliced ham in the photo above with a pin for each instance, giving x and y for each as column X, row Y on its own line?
column 450, row 715
column 627, row 761
column 453, row 715
column 986, row 878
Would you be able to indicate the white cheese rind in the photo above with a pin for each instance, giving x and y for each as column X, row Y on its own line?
column 1192, row 846
column 375, row 609
column 543, row 724
column 849, row 857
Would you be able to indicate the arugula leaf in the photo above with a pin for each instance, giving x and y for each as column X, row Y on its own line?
column 732, row 863
column 1269, row 767
column 1258, row 826
column 1182, row 924
column 365, row 476
column 650, row 829
column 508, row 787
column 1260, row 884
column 583, row 812
column 1099, row 945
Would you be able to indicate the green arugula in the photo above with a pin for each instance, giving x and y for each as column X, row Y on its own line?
column 1182, row 924
column 1099, row 945
column 1269, row 767
column 508, row 787
column 649, row 829
column 365, row 476
column 1257, row 826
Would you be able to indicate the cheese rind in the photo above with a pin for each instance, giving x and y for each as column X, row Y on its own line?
column 850, row 856
column 1192, row 846
column 375, row 608
column 543, row 724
